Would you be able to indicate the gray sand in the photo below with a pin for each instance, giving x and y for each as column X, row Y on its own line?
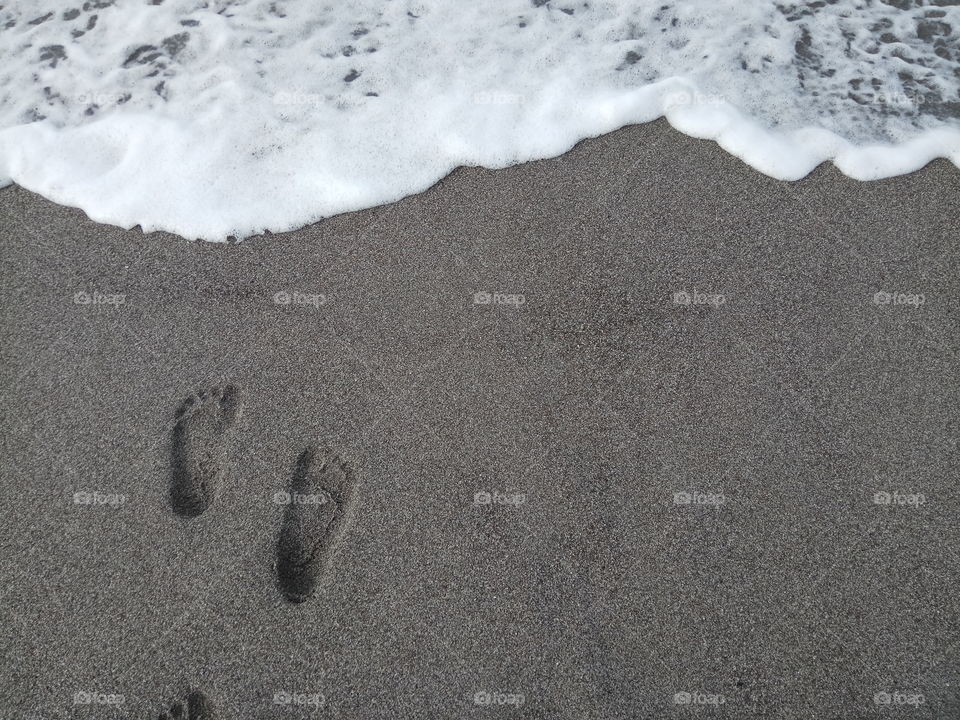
column 586, row 587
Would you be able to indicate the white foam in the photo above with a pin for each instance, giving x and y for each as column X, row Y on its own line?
column 212, row 118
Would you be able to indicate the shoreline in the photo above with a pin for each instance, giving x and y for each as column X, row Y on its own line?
column 781, row 414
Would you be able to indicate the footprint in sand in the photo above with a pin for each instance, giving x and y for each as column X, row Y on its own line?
column 319, row 507
column 196, row 707
column 203, row 423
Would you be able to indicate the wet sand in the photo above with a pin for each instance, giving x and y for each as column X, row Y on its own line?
column 634, row 437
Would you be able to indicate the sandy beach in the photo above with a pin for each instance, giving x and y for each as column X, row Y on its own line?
column 637, row 432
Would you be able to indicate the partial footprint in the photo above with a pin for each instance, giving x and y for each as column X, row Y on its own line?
column 318, row 510
column 197, row 707
column 203, row 424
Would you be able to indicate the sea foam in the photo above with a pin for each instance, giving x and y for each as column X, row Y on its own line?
column 217, row 118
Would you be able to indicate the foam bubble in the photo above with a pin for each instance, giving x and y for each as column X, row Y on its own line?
column 211, row 118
